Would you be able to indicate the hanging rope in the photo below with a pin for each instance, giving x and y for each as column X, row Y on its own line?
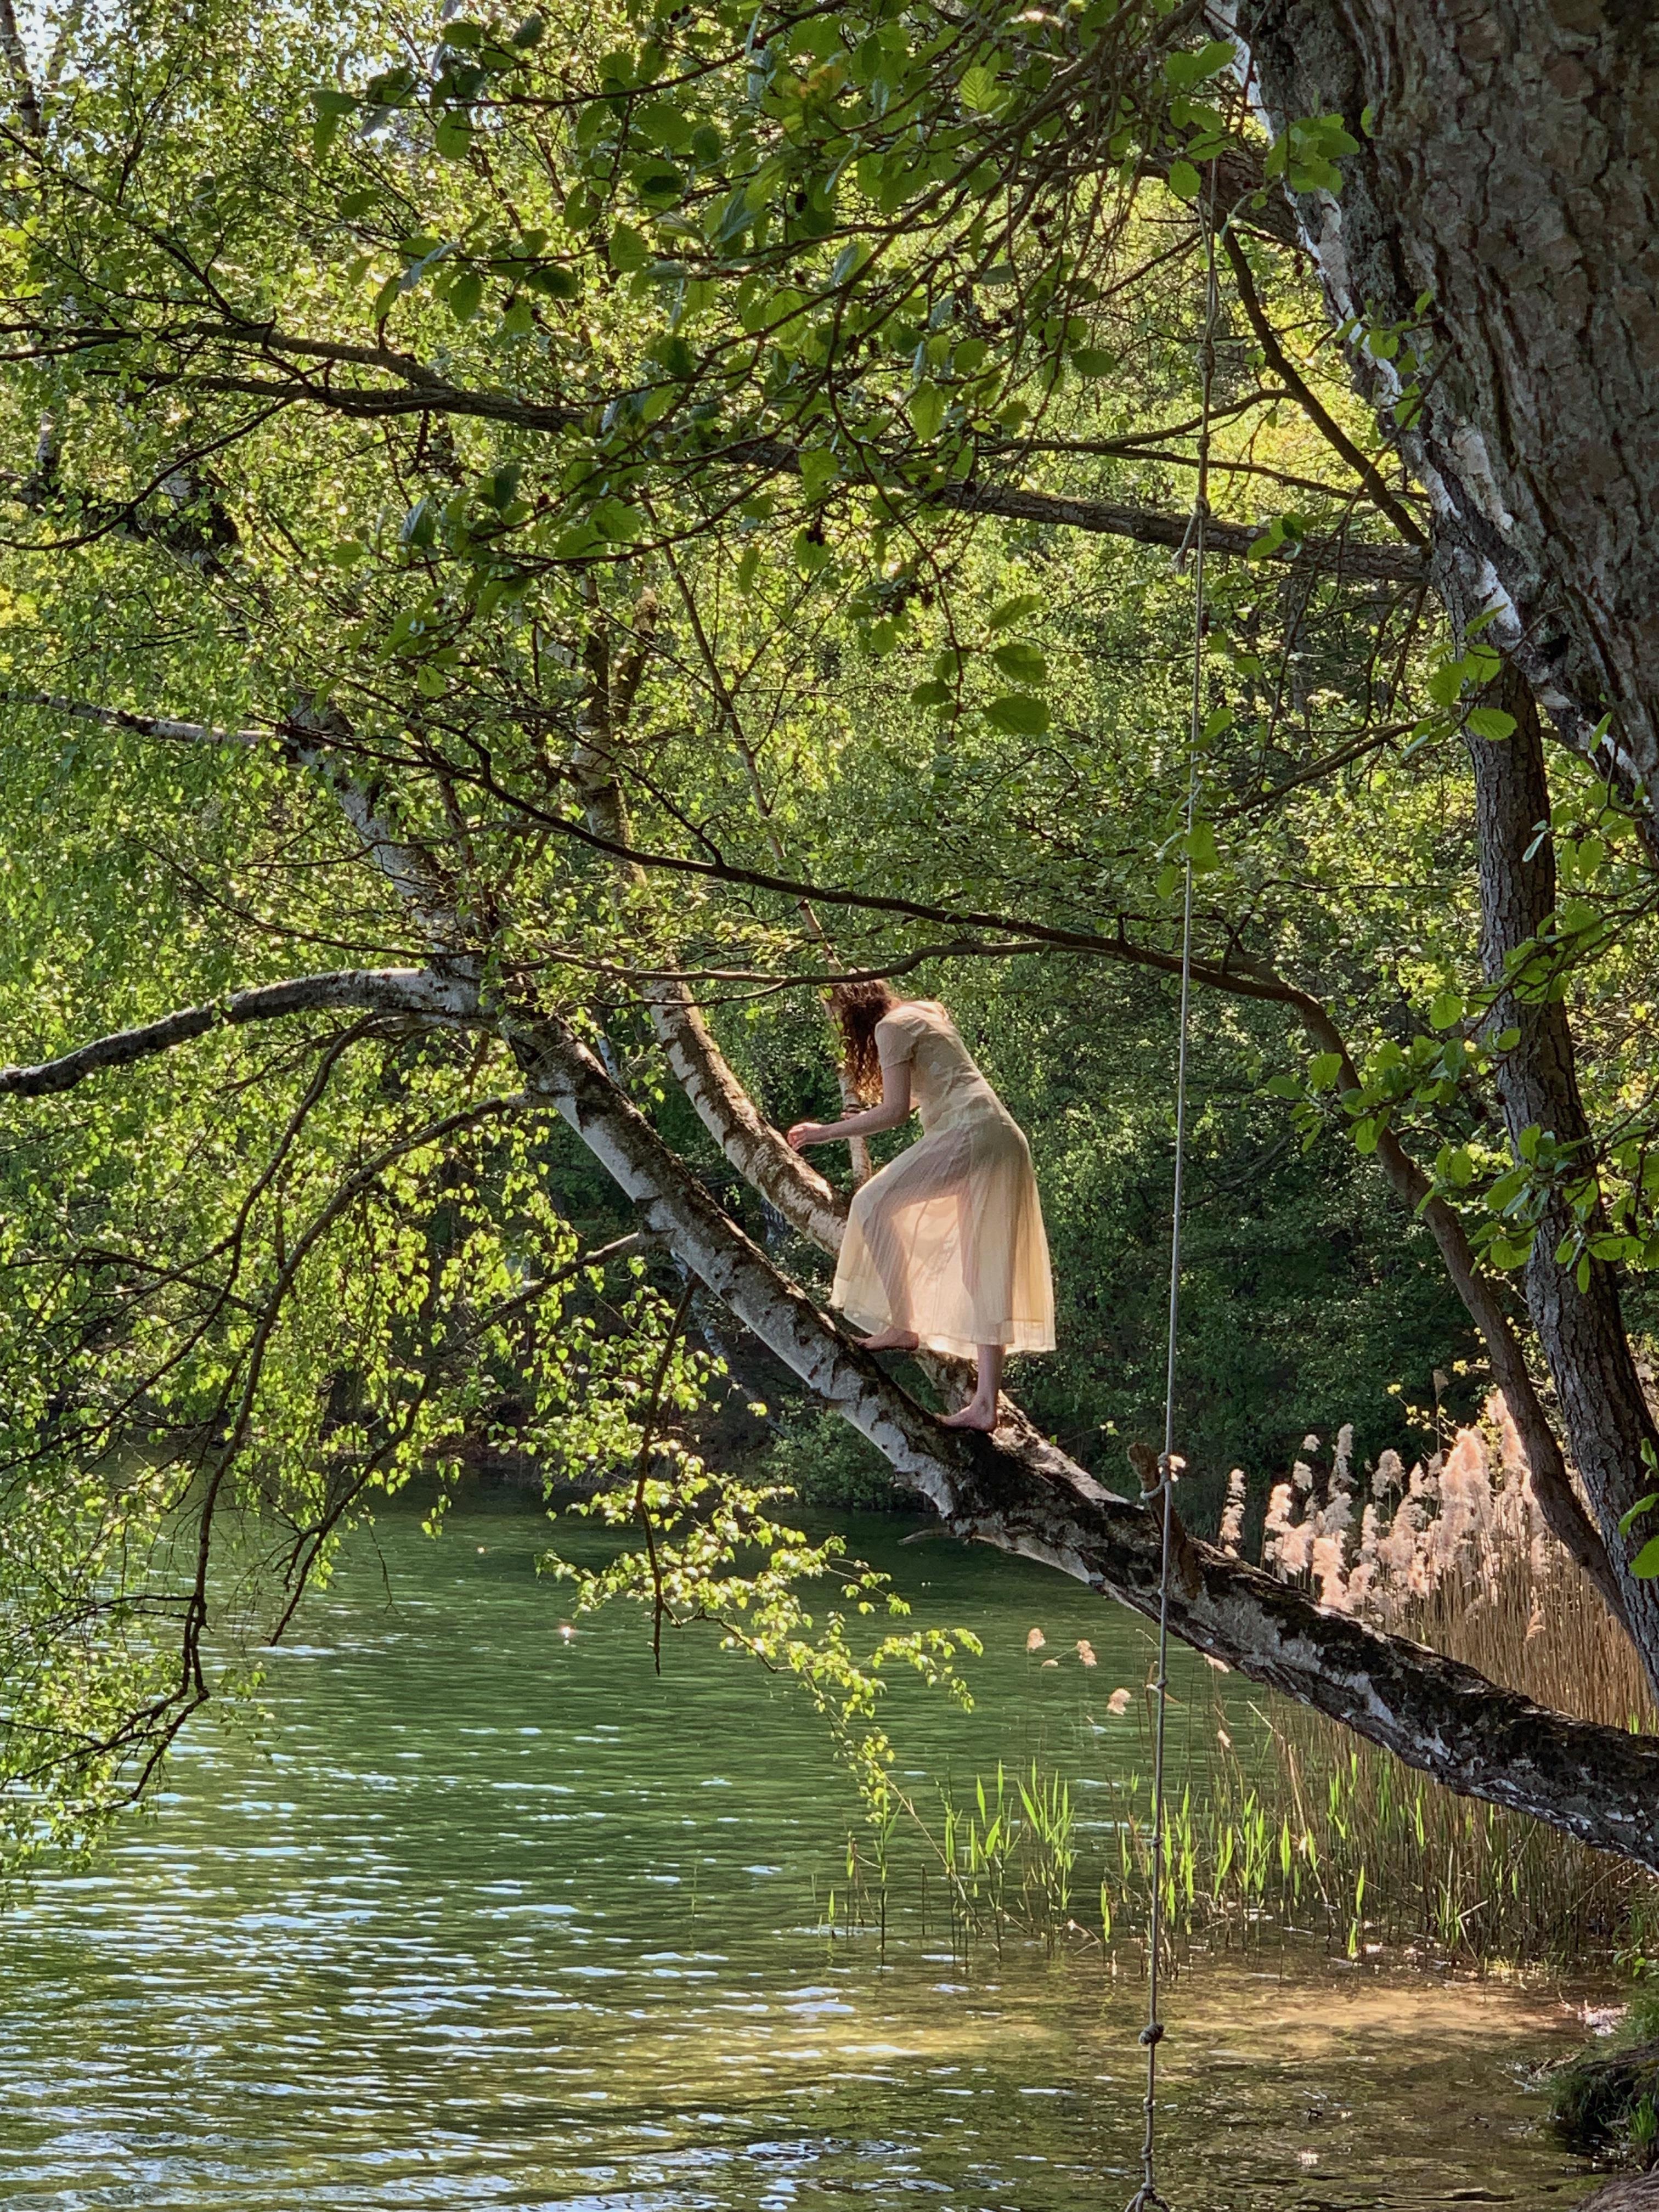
column 1146, row 2198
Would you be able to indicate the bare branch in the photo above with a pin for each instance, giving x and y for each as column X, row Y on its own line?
column 1316, row 412
column 1021, row 1494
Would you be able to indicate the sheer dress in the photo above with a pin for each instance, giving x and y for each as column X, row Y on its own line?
column 948, row 1239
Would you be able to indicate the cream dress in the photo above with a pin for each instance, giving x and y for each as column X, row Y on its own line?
column 948, row 1239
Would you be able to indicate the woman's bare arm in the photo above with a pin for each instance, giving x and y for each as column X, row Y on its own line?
column 894, row 1110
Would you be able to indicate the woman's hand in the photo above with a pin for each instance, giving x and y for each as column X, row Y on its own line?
column 805, row 1133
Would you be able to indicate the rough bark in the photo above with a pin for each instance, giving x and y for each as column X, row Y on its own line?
column 1508, row 167
column 1582, row 1330
column 1511, row 171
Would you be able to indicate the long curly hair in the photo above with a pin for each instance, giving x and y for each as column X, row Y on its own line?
column 856, row 1008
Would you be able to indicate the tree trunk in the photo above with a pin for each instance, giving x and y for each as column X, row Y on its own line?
column 1508, row 166
column 1507, row 169
column 1582, row 1330
column 812, row 1207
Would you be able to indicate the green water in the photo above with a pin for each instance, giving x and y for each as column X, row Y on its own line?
column 491, row 1917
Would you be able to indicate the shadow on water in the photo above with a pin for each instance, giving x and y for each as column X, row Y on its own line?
column 489, row 1915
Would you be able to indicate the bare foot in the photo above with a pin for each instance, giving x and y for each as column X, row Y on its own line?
column 975, row 1414
column 891, row 1340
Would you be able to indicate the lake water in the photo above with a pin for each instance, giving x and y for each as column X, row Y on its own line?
column 489, row 1917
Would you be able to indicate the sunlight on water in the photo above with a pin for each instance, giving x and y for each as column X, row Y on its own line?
column 488, row 1916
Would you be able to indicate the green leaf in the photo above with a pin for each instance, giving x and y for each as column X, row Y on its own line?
column 658, row 180
column 419, row 527
column 1018, row 714
column 978, row 88
column 1645, row 1566
column 1323, row 1069
column 927, row 405
column 1627, row 1521
column 934, row 693
column 1184, row 180
column 1446, row 1010
column 1489, row 722
column 553, row 279
column 453, row 134
column 466, row 295
column 1021, row 663
column 1510, row 1251
column 618, row 522
column 819, row 468
column 1185, row 70
column 1015, row 610
column 629, row 250
column 1092, row 360
column 1201, row 850
column 332, row 109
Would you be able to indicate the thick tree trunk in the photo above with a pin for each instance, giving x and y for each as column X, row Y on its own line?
column 1508, row 166
column 1582, row 1330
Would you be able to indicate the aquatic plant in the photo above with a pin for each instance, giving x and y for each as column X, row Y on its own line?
column 1278, row 1821
column 1454, row 1552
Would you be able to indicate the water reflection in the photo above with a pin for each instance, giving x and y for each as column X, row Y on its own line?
column 490, row 1916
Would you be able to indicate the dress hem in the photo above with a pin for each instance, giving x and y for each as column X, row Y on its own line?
column 1012, row 1337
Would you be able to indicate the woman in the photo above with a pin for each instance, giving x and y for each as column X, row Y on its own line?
column 944, row 1248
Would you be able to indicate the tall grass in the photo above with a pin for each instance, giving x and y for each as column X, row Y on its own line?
column 1280, row 1821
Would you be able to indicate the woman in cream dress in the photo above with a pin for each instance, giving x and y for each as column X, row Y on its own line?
column 944, row 1248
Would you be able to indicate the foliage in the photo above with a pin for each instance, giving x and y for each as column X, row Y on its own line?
column 715, row 1551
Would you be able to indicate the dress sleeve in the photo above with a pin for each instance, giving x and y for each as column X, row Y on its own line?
column 895, row 1037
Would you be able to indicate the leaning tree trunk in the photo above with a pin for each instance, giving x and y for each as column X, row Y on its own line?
column 1582, row 1329
column 1509, row 167
column 1021, row 1494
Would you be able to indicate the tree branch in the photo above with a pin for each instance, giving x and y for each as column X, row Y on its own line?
column 1311, row 405
column 424, row 394
column 382, row 990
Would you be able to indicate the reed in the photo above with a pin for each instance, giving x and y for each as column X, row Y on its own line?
column 1278, row 1821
